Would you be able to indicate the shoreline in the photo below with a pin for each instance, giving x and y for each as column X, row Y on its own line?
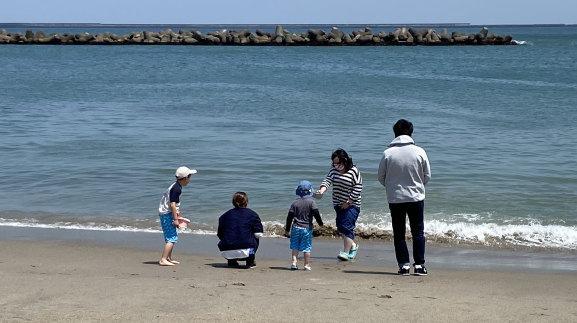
column 81, row 281
column 372, row 253
column 550, row 238
column 523, row 239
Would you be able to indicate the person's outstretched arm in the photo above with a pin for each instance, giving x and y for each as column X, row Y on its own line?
column 327, row 182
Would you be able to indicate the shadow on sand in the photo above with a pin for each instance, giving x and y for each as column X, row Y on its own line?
column 150, row 263
column 279, row 268
column 369, row 272
column 222, row 265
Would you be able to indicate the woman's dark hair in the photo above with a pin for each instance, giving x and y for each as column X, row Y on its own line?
column 403, row 127
column 343, row 158
column 240, row 199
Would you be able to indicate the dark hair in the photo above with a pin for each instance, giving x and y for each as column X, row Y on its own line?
column 343, row 158
column 403, row 127
column 240, row 199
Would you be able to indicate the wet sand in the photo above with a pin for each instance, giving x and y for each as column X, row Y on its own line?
column 80, row 279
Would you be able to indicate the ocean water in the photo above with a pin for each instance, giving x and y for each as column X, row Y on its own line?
column 90, row 135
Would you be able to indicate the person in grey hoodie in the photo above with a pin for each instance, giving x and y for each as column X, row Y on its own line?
column 404, row 170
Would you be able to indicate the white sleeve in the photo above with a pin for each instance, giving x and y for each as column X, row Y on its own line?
column 426, row 168
column 382, row 173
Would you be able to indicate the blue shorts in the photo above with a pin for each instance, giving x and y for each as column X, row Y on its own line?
column 347, row 220
column 169, row 230
column 301, row 238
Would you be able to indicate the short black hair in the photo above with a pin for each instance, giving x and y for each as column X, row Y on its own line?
column 403, row 127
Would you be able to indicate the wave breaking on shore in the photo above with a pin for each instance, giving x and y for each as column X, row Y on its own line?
column 492, row 235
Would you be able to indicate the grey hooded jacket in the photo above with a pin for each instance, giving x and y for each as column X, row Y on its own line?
column 404, row 170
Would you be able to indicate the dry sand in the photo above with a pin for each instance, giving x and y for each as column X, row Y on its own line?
column 49, row 281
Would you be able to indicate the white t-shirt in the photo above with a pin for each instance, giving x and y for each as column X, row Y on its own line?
column 172, row 194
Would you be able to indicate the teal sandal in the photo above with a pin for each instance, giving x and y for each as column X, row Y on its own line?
column 343, row 256
column 353, row 252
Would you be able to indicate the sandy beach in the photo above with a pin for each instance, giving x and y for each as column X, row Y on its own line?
column 43, row 280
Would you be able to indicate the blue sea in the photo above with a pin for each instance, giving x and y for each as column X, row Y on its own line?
column 90, row 136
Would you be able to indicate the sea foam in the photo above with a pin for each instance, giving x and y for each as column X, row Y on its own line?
column 520, row 42
column 455, row 232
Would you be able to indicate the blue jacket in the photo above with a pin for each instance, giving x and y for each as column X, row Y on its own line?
column 236, row 229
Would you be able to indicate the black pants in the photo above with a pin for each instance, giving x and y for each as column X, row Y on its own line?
column 399, row 212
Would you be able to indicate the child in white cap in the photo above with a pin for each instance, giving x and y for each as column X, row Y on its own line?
column 169, row 212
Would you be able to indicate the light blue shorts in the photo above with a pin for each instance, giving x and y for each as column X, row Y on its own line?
column 169, row 230
column 301, row 238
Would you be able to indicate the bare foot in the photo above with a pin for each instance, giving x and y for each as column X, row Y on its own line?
column 176, row 262
column 165, row 263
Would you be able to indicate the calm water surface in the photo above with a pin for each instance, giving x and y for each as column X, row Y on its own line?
column 90, row 135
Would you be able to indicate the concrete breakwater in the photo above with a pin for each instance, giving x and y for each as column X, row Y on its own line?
column 313, row 37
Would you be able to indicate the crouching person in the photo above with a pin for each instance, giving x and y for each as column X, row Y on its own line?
column 239, row 230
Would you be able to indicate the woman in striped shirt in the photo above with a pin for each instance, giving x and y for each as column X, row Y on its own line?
column 347, row 183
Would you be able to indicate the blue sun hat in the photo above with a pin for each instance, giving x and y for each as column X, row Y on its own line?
column 305, row 188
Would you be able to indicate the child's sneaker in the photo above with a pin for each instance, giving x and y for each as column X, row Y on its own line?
column 294, row 267
column 405, row 270
column 420, row 270
column 353, row 252
column 344, row 256
column 308, row 267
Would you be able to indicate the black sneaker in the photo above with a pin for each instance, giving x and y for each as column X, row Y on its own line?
column 232, row 263
column 250, row 264
column 420, row 270
column 405, row 270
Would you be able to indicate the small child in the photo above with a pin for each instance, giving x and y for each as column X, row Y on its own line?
column 300, row 223
column 169, row 213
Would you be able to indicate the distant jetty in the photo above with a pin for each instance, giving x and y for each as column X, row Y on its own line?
column 402, row 36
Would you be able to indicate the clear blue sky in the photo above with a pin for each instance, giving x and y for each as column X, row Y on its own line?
column 291, row 11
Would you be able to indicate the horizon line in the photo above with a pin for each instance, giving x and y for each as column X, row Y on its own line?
column 458, row 24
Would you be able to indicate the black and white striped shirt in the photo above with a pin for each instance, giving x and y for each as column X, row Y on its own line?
column 345, row 186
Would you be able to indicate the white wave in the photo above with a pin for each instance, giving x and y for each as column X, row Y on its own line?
column 272, row 224
column 198, row 231
column 469, row 217
column 73, row 226
column 93, row 227
column 269, row 228
column 32, row 223
column 534, row 234
column 519, row 42
column 491, row 234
